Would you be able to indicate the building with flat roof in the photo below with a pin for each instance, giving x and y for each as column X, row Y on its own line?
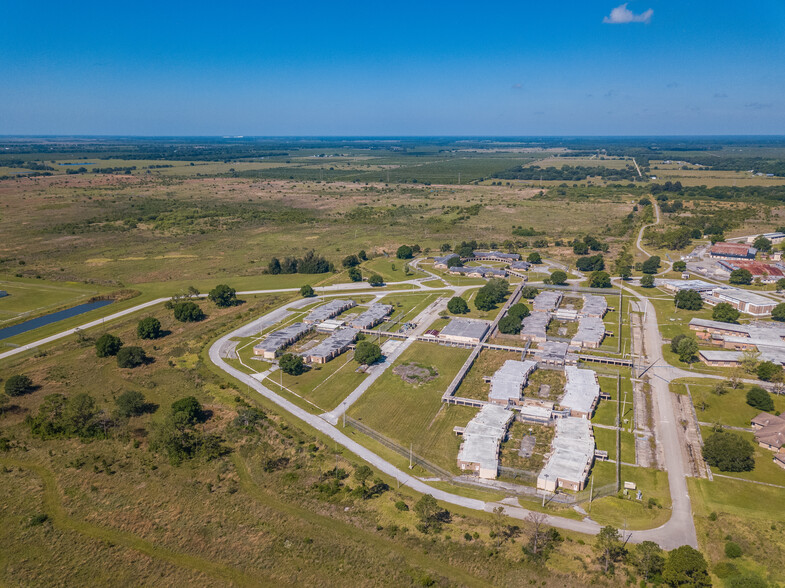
column 676, row 286
column 508, row 381
column 477, row 271
column 534, row 327
column 744, row 301
column 571, row 458
column 594, row 306
column 591, row 332
column 482, row 439
column 443, row 261
column 768, row 338
column 273, row 343
column 547, row 301
column 776, row 237
column 328, row 311
column 331, row 347
column 726, row 250
column 719, row 358
column 375, row 314
column 556, row 353
column 497, row 256
column 536, row 412
column 464, row 331
column 581, row 392
column 767, row 273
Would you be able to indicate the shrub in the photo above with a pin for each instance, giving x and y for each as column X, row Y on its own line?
column 131, row 357
column 130, row 403
column 404, row 252
column 732, row 550
column 519, row 311
column 600, row 279
column 18, row 385
column 768, row 371
column 675, row 342
column 191, row 409
column 759, row 398
column 529, row 292
column 291, row 364
column 651, row 265
column 592, row 263
column 534, row 257
column 457, row 305
column 306, row 291
column 778, row 312
column 148, row 328
column 729, row 452
column 188, row 312
column 355, row 275
column 402, row 506
column 350, row 261
column 107, row 345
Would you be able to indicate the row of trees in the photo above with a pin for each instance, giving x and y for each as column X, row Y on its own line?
column 310, row 263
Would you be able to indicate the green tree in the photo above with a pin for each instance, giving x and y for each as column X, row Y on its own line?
column 648, row 559
column 350, row 261
column 534, row 257
column 599, row 279
column 675, row 342
column 131, row 357
column 580, row 248
column 355, row 275
column 148, row 328
column 362, row 255
column 778, row 312
column 18, row 385
column 725, row 313
column 558, row 278
column 484, row 301
column 130, row 403
column 429, row 512
column 375, row 280
column 367, row 353
column 510, row 325
column 688, row 300
column 80, row 415
column 107, row 345
column 651, row 265
column 223, row 296
column 728, row 452
column 592, row 263
column 761, row 243
column 647, row 281
column 679, row 266
column 188, row 312
column 274, row 267
column 457, row 305
column 307, row 291
column 291, row 364
column 759, row 398
column 190, row 407
column 686, row 567
column 519, row 310
column 404, row 252
column 529, row 292
column 741, row 276
column 769, row 371
column 362, row 473
column 781, row 287
column 687, row 349
column 608, row 547
column 732, row 550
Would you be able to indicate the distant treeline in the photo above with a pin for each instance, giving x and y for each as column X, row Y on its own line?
column 570, row 173
column 310, row 263
column 757, row 164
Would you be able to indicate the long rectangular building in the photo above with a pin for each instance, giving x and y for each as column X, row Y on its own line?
column 534, row 327
column 277, row 340
column 331, row 347
column 571, row 458
column 594, row 306
column 375, row 314
column 547, row 301
column 477, row 271
column 328, row 311
column 581, row 392
column 464, row 331
column 497, row 256
column 591, row 332
column 507, row 382
column 482, row 439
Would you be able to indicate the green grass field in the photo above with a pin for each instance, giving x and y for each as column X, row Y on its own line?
column 730, row 409
column 626, row 511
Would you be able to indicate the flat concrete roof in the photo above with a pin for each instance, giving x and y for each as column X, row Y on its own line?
column 581, row 390
column 573, row 451
column 535, row 324
column 743, row 296
column 508, row 381
column 697, row 285
column 483, row 436
column 339, row 340
column 465, row 328
column 282, row 337
column 594, row 305
column 554, row 351
column 717, row 355
column 547, row 300
column 375, row 314
column 591, row 329
column 328, row 311
column 497, row 254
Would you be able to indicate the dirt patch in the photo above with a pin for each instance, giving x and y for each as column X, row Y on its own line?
column 414, row 373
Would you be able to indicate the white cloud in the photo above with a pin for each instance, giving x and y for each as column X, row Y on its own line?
column 623, row 15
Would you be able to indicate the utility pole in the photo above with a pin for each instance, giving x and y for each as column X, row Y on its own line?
column 344, row 414
column 410, row 456
column 591, row 491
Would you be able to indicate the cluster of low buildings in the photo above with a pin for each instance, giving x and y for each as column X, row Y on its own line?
column 591, row 328
column 342, row 334
column 712, row 294
column 770, row 434
column 768, row 339
column 725, row 250
column 452, row 263
column 571, row 458
column 463, row 331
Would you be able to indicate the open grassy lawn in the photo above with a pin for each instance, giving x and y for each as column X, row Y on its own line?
column 407, row 413
column 606, row 413
column 626, row 511
column 730, row 409
column 486, row 364
column 28, row 298
column 627, row 447
column 765, row 470
column 406, row 307
column 674, row 321
column 474, row 312
column 605, row 439
column 391, row 269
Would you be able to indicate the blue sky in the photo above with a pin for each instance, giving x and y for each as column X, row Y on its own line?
column 397, row 68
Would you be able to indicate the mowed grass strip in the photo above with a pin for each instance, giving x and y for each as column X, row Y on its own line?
column 404, row 412
column 57, row 513
column 628, row 510
column 730, row 409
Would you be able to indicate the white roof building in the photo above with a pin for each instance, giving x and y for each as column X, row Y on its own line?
column 508, row 382
column 572, row 457
column 581, row 392
column 482, row 440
